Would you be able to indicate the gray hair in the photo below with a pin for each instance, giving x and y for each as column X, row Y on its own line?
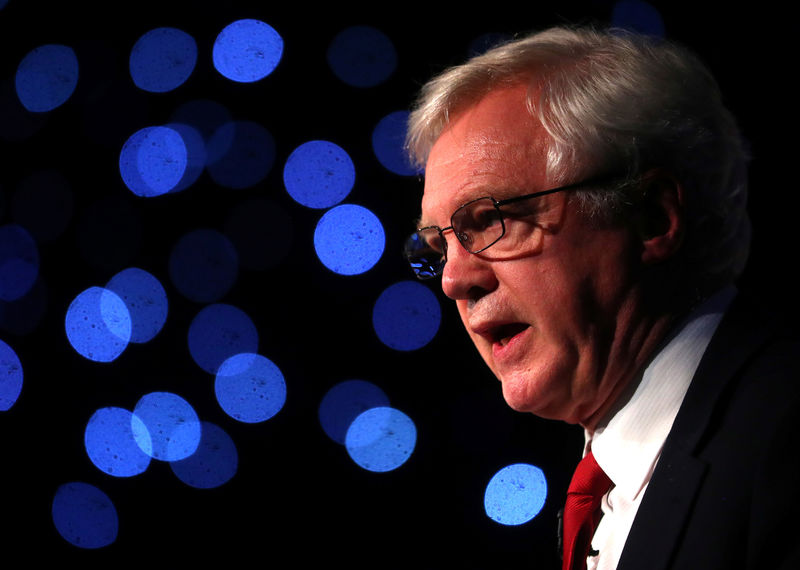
column 616, row 101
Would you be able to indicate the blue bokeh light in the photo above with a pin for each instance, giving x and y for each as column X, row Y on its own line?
column 10, row 377
column 213, row 464
column 203, row 265
column 146, row 300
column 19, row 262
column 319, row 174
column 638, row 16
column 344, row 402
column 47, row 77
column 196, row 155
column 110, row 443
column 250, row 388
column 247, row 50
column 84, row 515
column 169, row 429
column 362, row 56
column 349, row 239
column 98, row 324
column 406, row 316
column 218, row 332
column 153, row 161
column 240, row 154
column 204, row 115
column 162, row 59
column 515, row 494
column 381, row 439
column 388, row 144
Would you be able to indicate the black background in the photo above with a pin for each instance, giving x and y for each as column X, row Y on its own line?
column 297, row 497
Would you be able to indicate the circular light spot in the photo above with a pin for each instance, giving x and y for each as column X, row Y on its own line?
column 349, row 239
column 250, row 388
column 84, row 515
column 247, row 50
column 195, row 155
column 169, row 428
column 153, row 161
column 162, row 59
column 43, row 205
column 515, row 494
column 203, row 265
column 111, row 445
column 388, row 143
column 204, row 116
column 638, row 16
column 213, row 464
column 346, row 401
column 240, row 154
column 319, row 174
column 406, row 316
column 261, row 231
column 19, row 262
column 98, row 324
column 381, row 439
column 362, row 56
column 46, row 77
column 146, row 300
column 10, row 377
column 218, row 332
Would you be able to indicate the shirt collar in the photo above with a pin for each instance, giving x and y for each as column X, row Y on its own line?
column 628, row 442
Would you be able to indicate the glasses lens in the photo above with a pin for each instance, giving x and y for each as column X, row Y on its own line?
column 424, row 250
column 478, row 224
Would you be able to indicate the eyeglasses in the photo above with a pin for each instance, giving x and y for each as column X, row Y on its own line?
column 478, row 225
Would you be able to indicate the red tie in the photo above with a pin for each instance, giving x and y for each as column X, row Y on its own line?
column 582, row 511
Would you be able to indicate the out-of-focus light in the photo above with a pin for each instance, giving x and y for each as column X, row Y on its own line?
column 406, row 316
column 46, row 77
column 19, row 262
column 84, row 515
column 218, row 332
column 162, row 59
column 247, row 50
column 381, row 439
column 169, row 429
column 203, row 265
column 250, row 388
column 203, row 115
column 349, row 239
column 213, row 464
column 240, row 154
column 146, row 300
column 195, row 154
column 43, row 204
column 261, row 230
column 98, row 324
column 319, row 174
column 344, row 403
column 10, row 377
column 153, row 161
column 638, row 16
column 515, row 494
column 110, row 443
column 18, row 123
column 388, row 143
column 362, row 56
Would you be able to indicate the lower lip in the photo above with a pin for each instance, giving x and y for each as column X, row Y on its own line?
column 511, row 348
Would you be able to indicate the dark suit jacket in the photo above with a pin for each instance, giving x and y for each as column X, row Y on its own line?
column 726, row 489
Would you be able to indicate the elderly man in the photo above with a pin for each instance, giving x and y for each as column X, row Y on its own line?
column 584, row 206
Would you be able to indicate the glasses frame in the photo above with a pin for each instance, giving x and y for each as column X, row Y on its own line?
column 595, row 181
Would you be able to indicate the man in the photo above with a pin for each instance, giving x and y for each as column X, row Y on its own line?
column 584, row 206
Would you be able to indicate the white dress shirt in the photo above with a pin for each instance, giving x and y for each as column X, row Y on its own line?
column 628, row 443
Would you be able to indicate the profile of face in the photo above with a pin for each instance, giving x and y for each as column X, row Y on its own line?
column 558, row 320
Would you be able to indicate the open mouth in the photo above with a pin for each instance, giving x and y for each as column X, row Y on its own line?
column 504, row 333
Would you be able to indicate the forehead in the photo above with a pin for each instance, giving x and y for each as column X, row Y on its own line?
column 495, row 147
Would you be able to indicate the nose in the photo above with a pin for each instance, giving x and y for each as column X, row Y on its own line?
column 466, row 275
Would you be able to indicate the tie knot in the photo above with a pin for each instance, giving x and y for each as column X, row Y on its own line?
column 589, row 479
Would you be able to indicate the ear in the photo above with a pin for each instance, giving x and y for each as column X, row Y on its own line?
column 661, row 219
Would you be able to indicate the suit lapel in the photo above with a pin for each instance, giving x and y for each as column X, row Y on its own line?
column 667, row 503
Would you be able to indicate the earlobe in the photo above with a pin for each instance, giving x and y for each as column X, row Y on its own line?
column 661, row 218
